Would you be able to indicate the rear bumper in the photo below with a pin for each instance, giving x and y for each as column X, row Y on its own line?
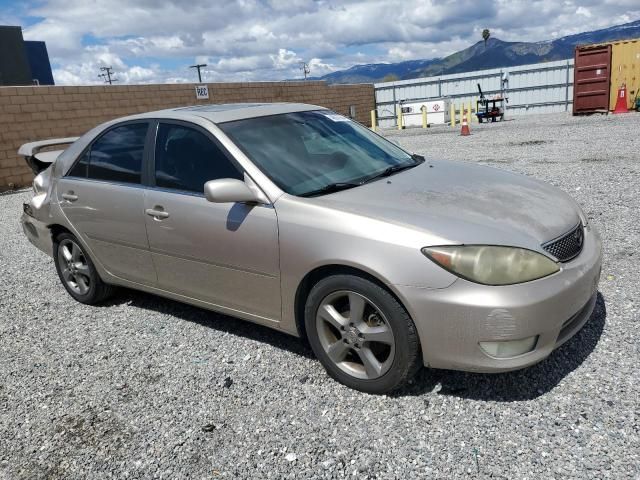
column 36, row 231
column 453, row 321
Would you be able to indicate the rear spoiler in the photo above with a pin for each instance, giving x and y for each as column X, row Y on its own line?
column 39, row 161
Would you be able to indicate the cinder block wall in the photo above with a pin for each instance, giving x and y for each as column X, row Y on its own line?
column 37, row 113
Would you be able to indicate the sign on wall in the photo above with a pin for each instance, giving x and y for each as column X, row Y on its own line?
column 202, row 92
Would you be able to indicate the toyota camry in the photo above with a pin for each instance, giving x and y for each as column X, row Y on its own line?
column 295, row 217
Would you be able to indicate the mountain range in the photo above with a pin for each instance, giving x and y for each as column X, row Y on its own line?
column 496, row 53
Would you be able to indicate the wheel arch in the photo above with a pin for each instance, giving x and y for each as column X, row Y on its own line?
column 56, row 229
column 322, row 272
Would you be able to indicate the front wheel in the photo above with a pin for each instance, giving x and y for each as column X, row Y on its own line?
column 360, row 333
column 77, row 272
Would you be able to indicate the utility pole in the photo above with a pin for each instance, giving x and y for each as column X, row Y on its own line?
column 305, row 69
column 199, row 66
column 107, row 75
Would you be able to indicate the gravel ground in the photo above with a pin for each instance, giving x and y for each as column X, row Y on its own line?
column 149, row 388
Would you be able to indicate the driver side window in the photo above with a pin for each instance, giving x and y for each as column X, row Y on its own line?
column 186, row 159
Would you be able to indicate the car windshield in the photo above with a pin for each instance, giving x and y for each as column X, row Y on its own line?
column 316, row 152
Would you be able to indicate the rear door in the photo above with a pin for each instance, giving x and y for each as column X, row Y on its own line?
column 102, row 195
column 224, row 254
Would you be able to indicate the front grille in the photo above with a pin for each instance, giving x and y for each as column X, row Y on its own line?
column 567, row 246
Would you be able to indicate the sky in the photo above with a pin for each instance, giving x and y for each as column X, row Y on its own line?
column 155, row 41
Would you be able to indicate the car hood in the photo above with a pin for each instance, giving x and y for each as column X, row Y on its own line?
column 458, row 203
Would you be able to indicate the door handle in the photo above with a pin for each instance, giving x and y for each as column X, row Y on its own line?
column 70, row 196
column 157, row 214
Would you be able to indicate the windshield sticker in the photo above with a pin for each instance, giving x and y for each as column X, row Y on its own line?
column 335, row 117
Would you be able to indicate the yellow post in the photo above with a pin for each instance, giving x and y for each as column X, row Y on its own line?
column 424, row 117
column 469, row 112
column 373, row 120
column 452, row 114
column 400, row 118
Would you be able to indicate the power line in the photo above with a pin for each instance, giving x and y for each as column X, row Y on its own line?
column 107, row 75
column 199, row 66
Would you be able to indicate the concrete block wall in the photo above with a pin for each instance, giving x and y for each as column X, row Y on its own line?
column 28, row 114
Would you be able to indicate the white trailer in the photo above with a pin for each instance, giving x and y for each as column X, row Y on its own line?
column 437, row 112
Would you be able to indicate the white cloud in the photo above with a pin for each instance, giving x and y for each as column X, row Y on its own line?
column 60, row 39
column 584, row 11
column 268, row 39
column 140, row 75
column 319, row 68
column 285, row 59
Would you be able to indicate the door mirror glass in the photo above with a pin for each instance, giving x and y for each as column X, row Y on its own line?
column 229, row 190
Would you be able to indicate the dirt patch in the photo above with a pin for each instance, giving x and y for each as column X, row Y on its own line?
column 92, row 428
column 528, row 143
column 500, row 161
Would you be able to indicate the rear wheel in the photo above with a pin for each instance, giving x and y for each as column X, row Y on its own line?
column 361, row 334
column 77, row 272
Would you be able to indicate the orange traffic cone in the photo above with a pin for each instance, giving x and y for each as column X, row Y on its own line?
column 621, row 103
column 465, row 126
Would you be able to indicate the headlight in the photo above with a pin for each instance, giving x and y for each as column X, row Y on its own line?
column 492, row 265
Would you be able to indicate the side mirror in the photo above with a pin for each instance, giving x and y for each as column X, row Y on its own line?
column 229, row 190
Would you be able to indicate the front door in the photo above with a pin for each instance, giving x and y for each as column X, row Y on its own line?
column 223, row 254
column 103, row 198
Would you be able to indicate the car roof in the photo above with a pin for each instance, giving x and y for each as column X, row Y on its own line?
column 228, row 112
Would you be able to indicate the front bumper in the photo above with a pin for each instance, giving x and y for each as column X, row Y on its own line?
column 453, row 321
column 36, row 231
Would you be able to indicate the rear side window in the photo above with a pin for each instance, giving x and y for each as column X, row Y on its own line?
column 186, row 159
column 116, row 156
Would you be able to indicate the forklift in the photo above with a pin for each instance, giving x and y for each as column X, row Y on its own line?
column 490, row 108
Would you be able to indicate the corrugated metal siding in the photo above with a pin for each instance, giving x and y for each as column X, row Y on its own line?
column 538, row 88
column 625, row 68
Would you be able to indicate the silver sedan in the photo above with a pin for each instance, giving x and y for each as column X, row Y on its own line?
column 297, row 218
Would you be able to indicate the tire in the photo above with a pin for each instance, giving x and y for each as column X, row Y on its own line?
column 380, row 327
column 77, row 272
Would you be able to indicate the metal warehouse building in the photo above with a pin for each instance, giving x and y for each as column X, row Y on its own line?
column 23, row 62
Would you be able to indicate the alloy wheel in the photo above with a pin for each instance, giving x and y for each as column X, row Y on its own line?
column 355, row 335
column 74, row 267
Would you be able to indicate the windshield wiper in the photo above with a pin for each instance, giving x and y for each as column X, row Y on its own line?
column 396, row 168
column 337, row 186
column 330, row 188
